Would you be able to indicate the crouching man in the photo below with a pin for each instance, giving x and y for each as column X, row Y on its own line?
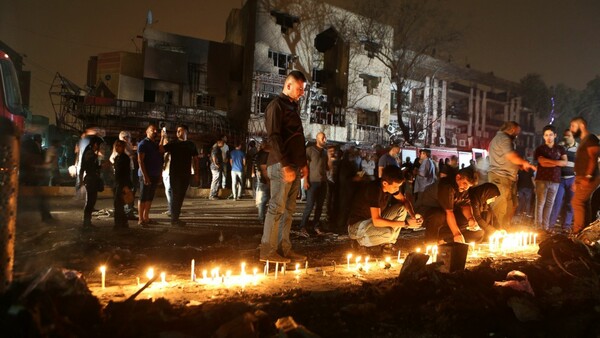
column 441, row 201
column 372, row 221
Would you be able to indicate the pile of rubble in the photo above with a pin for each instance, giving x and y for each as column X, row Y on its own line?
column 556, row 295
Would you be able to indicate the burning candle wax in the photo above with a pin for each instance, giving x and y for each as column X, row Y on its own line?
column 193, row 272
column 103, row 271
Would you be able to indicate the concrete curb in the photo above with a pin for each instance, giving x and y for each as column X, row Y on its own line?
column 26, row 191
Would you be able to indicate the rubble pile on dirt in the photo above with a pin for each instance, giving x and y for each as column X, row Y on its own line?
column 557, row 295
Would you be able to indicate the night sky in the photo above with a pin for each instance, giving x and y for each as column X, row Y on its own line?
column 558, row 39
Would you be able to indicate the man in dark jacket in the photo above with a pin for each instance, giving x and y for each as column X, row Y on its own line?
column 285, row 166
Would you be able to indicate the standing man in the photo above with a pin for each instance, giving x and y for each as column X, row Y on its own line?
column 225, row 165
column 184, row 158
column 237, row 161
column 504, row 166
column 426, row 172
column 389, row 158
column 587, row 176
column 315, row 184
column 130, row 151
column 287, row 161
column 150, row 158
column 216, row 168
column 567, row 178
column 551, row 158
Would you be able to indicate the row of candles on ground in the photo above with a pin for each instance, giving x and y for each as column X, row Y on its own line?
column 503, row 242
column 359, row 264
column 499, row 242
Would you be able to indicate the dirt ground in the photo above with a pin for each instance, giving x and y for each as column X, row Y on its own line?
column 328, row 297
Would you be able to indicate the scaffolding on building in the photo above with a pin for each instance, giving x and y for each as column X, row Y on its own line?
column 75, row 108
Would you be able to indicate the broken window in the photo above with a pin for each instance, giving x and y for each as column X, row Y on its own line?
column 367, row 117
column 281, row 61
column 205, row 101
column 197, row 76
column 285, row 20
column 370, row 82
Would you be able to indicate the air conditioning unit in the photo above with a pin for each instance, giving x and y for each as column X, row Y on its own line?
column 442, row 140
column 462, row 143
column 454, row 141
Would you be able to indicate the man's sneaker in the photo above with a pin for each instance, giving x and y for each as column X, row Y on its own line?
column 275, row 258
column 294, row 256
column 303, row 233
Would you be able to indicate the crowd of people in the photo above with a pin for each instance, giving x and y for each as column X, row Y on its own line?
column 369, row 194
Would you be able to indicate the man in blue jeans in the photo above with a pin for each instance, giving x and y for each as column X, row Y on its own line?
column 237, row 159
column 565, row 188
column 286, row 163
column 315, row 184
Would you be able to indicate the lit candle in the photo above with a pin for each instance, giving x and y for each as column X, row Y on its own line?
column 163, row 277
column 243, row 273
column 348, row 260
column 358, row 259
column 418, row 250
column 427, row 249
column 367, row 264
column 255, row 272
column 297, row 268
column 434, row 253
column 193, row 272
column 535, row 239
column 276, row 269
column 103, row 272
column 283, row 269
column 398, row 256
column 306, row 267
column 204, row 275
column 150, row 273
column 228, row 276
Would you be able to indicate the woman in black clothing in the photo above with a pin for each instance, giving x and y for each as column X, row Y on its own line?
column 89, row 174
